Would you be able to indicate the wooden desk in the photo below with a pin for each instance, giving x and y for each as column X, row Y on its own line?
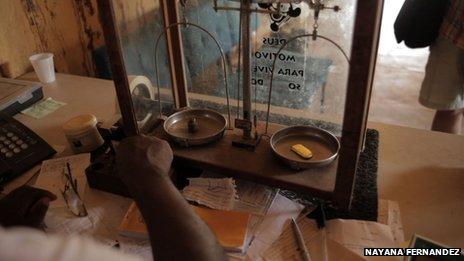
column 82, row 95
column 422, row 170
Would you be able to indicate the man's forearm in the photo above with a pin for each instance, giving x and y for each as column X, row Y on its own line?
column 176, row 232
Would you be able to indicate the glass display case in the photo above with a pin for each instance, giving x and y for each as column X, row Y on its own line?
column 233, row 85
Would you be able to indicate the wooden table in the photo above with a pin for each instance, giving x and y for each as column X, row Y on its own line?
column 422, row 170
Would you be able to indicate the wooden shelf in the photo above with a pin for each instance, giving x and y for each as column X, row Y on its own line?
column 260, row 165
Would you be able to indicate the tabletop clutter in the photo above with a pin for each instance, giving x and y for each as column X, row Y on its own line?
column 251, row 221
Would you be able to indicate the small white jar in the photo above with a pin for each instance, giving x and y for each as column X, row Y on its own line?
column 82, row 133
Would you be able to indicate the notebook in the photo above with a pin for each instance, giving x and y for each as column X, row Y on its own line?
column 132, row 224
column 229, row 227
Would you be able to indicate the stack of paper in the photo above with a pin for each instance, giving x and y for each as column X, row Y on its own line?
column 254, row 198
column 51, row 174
column 250, row 197
column 269, row 210
column 339, row 240
column 281, row 211
column 255, row 218
column 211, row 192
column 59, row 219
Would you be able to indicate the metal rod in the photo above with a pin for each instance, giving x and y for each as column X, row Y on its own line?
column 160, row 109
column 223, row 58
column 246, row 33
column 274, row 63
column 239, row 67
column 250, row 10
column 255, row 100
column 322, row 109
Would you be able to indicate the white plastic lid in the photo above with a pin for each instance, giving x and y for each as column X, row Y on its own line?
column 79, row 124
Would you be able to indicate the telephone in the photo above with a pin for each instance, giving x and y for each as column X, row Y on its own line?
column 20, row 149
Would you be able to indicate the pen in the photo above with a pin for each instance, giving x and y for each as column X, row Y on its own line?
column 300, row 240
column 324, row 245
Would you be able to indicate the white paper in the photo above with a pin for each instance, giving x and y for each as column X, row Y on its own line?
column 250, row 197
column 356, row 235
column 281, row 212
column 285, row 248
column 254, row 198
column 78, row 164
column 138, row 247
column 215, row 193
column 131, row 246
column 105, row 210
column 51, row 175
column 345, row 240
column 389, row 214
column 62, row 221
column 59, row 218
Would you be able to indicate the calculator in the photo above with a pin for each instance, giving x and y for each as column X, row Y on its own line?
column 20, row 149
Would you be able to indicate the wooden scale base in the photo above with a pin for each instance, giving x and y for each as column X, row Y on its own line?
column 259, row 166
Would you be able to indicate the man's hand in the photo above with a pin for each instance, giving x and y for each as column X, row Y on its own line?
column 142, row 159
column 25, row 206
column 176, row 232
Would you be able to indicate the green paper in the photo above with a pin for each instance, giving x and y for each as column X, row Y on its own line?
column 43, row 108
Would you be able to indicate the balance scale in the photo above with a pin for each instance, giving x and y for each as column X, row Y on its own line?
column 261, row 151
column 205, row 138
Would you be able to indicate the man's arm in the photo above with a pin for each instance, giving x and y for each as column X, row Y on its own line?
column 176, row 232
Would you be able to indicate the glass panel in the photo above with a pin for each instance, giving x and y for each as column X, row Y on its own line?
column 310, row 82
column 204, row 69
column 310, row 75
column 140, row 22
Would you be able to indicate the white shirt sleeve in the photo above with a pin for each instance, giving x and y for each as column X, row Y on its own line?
column 18, row 244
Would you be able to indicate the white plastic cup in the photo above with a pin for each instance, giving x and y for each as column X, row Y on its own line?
column 43, row 66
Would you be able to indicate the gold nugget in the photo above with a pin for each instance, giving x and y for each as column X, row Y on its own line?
column 302, row 151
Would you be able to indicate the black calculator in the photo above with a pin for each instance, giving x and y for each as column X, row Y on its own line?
column 20, row 149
